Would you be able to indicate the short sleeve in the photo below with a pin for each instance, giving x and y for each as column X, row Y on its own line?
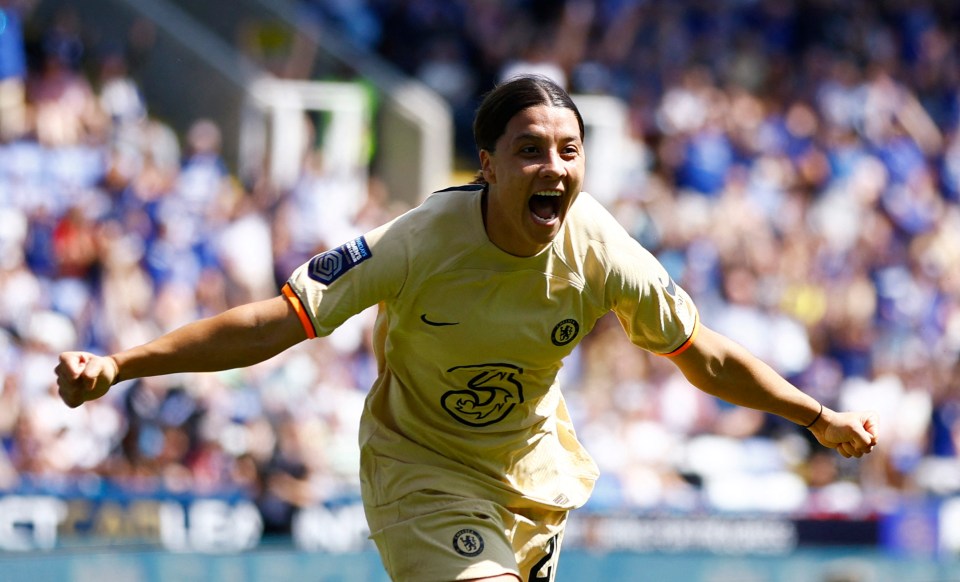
column 341, row 282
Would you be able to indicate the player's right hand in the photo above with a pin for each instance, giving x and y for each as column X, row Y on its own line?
column 82, row 376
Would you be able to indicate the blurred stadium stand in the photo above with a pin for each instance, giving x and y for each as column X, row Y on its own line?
column 202, row 60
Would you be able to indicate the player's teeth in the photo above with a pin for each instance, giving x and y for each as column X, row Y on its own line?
column 549, row 193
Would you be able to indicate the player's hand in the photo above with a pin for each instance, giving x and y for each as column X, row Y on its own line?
column 852, row 434
column 82, row 376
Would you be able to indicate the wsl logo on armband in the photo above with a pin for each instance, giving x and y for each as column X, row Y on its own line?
column 328, row 266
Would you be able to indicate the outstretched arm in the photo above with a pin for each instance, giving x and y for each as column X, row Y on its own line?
column 721, row 367
column 236, row 338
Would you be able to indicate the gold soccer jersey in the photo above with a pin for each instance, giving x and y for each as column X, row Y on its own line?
column 469, row 341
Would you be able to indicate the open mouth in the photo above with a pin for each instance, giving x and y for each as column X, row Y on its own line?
column 545, row 206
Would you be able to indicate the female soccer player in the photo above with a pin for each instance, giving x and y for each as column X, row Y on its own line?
column 470, row 463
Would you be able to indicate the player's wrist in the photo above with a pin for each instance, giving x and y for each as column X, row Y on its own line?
column 819, row 416
column 114, row 375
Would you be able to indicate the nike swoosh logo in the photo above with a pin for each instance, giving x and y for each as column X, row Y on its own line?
column 423, row 318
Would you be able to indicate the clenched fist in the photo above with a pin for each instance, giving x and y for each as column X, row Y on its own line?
column 852, row 434
column 82, row 376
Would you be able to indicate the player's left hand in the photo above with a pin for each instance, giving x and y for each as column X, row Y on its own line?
column 852, row 434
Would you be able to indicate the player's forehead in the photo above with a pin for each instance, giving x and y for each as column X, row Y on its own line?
column 542, row 122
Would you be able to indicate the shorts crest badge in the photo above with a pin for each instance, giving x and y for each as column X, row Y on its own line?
column 468, row 542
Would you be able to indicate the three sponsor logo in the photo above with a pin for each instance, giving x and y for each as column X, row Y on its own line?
column 492, row 390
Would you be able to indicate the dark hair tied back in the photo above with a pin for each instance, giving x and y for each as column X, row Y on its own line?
column 511, row 97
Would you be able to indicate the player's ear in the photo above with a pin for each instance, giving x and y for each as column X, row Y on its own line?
column 486, row 167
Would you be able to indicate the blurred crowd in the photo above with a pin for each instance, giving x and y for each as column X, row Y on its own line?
column 798, row 173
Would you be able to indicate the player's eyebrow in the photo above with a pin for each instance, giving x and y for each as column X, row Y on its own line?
column 534, row 136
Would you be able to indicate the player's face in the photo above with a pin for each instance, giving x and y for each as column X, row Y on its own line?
column 534, row 175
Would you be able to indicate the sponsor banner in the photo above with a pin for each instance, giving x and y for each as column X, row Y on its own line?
column 39, row 522
column 32, row 521
column 720, row 535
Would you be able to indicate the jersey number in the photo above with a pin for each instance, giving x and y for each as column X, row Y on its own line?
column 537, row 573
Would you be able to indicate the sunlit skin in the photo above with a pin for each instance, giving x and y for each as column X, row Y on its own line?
column 539, row 152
